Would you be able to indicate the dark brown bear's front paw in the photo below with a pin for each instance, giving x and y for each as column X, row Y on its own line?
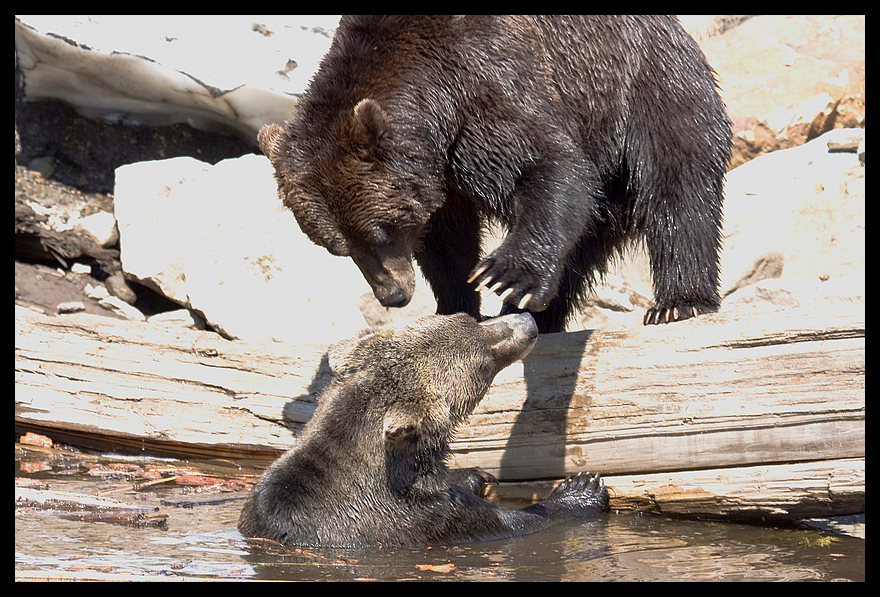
column 678, row 312
column 517, row 285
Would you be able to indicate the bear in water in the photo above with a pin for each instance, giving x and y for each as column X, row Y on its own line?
column 579, row 134
column 369, row 468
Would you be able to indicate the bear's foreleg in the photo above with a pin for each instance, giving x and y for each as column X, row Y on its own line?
column 552, row 206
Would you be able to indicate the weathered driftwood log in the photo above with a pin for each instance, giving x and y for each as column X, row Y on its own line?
column 705, row 394
column 768, row 493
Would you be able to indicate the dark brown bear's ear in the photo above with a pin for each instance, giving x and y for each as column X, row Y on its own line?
column 371, row 125
column 269, row 138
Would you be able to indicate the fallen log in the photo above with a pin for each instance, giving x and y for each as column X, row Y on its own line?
column 765, row 493
column 713, row 393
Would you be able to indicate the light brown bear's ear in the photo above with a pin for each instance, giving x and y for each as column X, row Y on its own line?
column 339, row 357
column 417, row 419
column 342, row 355
column 401, row 425
column 269, row 138
column 371, row 125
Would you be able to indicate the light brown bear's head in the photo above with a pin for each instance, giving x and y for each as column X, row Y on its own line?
column 425, row 376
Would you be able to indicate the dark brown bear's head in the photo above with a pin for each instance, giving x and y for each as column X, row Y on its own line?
column 346, row 181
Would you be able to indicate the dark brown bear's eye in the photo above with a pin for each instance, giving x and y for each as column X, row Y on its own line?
column 378, row 237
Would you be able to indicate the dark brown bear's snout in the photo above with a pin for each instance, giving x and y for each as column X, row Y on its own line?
column 389, row 272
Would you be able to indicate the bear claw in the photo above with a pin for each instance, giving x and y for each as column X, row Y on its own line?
column 658, row 315
column 484, row 291
column 493, row 289
column 477, row 274
column 583, row 495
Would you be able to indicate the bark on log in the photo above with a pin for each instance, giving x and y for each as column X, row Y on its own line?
column 715, row 392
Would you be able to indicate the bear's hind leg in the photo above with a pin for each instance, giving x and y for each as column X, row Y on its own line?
column 683, row 238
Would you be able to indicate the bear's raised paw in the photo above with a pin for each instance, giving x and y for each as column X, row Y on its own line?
column 501, row 274
column 583, row 496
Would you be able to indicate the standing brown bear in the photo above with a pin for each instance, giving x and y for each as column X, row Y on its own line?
column 579, row 134
column 370, row 468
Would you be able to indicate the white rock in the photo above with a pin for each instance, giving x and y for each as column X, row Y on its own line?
column 218, row 240
column 101, row 226
column 613, row 295
column 181, row 317
column 790, row 292
column 153, row 215
column 96, row 292
column 236, row 72
column 71, row 307
column 120, row 307
column 806, row 204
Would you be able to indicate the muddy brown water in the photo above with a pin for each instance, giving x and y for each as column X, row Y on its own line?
column 199, row 540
